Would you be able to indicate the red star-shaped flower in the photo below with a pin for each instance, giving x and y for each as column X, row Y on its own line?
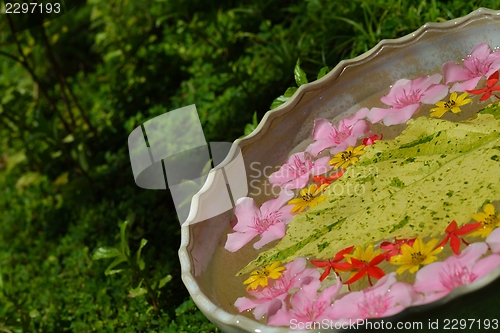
column 328, row 180
column 453, row 233
column 489, row 89
column 364, row 268
column 334, row 263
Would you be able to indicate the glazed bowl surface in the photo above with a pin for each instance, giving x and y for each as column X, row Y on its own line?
column 208, row 270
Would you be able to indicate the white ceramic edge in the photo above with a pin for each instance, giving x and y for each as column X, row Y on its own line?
column 219, row 316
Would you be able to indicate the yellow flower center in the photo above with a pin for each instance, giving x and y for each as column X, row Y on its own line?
column 417, row 258
column 450, row 104
column 307, row 197
column 491, row 220
column 346, row 156
column 264, row 273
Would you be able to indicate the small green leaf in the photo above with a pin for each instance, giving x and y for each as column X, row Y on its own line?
column 34, row 313
column 69, row 138
column 164, row 281
column 249, row 128
column 290, row 91
column 138, row 291
column 300, row 75
column 105, row 252
column 323, row 71
column 116, row 262
column 278, row 101
column 123, row 237
column 140, row 261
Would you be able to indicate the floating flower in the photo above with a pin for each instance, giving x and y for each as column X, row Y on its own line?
column 481, row 62
column 393, row 249
column 405, row 97
column 347, row 157
column 364, row 263
column 307, row 306
column 413, row 257
column 371, row 139
column 296, row 172
column 488, row 219
column 453, row 234
column 489, row 89
column 440, row 278
column 269, row 221
column 346, row 134
column 384, row 299
column 328, row 180
column 333, row 263
column 268, row 300
column 309, row 197
column 452, row 105
column 261, row 277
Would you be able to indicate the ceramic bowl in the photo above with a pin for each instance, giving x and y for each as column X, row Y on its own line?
column 208, row 271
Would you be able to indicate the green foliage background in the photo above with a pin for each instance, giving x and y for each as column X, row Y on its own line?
column 73, row 89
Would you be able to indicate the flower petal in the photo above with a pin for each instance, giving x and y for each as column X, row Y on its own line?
column 237, row 240
column 246, row 211
column 400, row 116
column 486, row 265
column 466, row 85
column 493, row 241
column 427, row 278
column 276, row 204
column 276, row 231
column 434, row 94
column 452, row 72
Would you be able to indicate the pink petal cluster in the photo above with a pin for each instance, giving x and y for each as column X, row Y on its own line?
column 438, row 279
column 385, row 298
column 347, row 132
column 480, row 63
column 268, row 300
column 269, row 221
column 307, row 306
column 296, row 172
column 405, row 97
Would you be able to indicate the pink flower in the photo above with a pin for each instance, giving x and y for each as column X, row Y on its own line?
column 326, row 135
column 296, row 172
column 269, row 221
column 493, row 241
column 307, row 305
column 440, row 278
column 385, row 298
column 270, row 299
column 481, row 62
column 405, row 98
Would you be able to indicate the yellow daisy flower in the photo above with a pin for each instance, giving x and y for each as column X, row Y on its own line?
column 452, row 105
column 488, row 221
column 261, row 277
column 347, row 157
column 412, row 257
column 363, row 255
column 308, row 198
